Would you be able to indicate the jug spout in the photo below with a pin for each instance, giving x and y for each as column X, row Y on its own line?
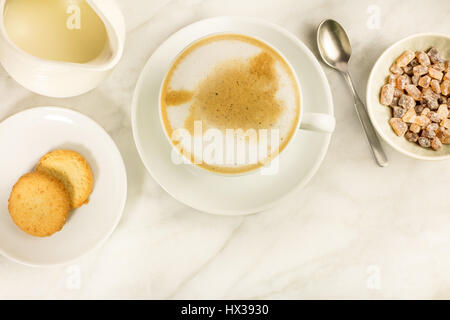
column 115, row 28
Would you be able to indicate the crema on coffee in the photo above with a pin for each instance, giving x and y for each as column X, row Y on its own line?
column 230, row 103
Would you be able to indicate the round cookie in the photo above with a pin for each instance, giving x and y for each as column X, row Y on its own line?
column 39, row 204
column 72, row 170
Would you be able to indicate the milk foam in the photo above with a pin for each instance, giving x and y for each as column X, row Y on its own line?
column 195, row 67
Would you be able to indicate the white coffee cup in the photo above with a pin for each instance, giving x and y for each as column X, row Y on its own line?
column 306, row 120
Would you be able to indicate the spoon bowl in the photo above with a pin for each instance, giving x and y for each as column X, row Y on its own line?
column 334, row 45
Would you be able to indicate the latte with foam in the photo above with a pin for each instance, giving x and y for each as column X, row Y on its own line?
column 230, row 103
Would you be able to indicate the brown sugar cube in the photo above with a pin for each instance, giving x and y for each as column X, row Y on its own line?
column 409, row 116
column 415, row 79
column 402, row 81
column 397, row 93
column 440, row 66
column 392, row 78
column 431, row 98
column 430, row 101
column 424, row 142
column 442, row 112
column 398, row 126
column 408, row 70
column 435, row 86
column 398, row 112
column 424, row 81
column 433, row 116
column 429, row 92
column 425, row 111
column 415, row 128
column 436, row 144
column 419, row 108
column 433, row 126
column 394, row 102
column 445, row 87
column 413, row 92
column 442, row 131
column 395, row 69
column 447, row 66
column 420, row 70
column 435, row 74
column 445, row 123
column 411, row 136
column 423, row 58
column 443, row 135
column 435, row 55
column 405, row 58
column 422, row 121
column 447, row 75
column 387, row 94
column 406, row 102
column 428, row 133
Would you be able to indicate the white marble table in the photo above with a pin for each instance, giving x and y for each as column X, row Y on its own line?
column 356, row 231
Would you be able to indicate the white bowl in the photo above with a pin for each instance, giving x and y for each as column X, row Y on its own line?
column 380, row 114
column 27, row 136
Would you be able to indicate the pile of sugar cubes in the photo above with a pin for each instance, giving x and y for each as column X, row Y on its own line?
column 417, row 91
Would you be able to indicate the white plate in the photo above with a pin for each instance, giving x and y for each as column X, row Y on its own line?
column 27, row 136
column 242, row 194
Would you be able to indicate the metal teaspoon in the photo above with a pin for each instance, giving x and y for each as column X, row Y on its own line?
column 335, row 50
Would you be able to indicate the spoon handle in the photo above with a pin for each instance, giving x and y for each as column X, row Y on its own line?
column 372, row 138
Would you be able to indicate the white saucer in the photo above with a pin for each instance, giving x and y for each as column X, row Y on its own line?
column 242, row 194
column 27, row 136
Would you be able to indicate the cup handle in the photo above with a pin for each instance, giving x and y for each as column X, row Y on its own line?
column 320, row 122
